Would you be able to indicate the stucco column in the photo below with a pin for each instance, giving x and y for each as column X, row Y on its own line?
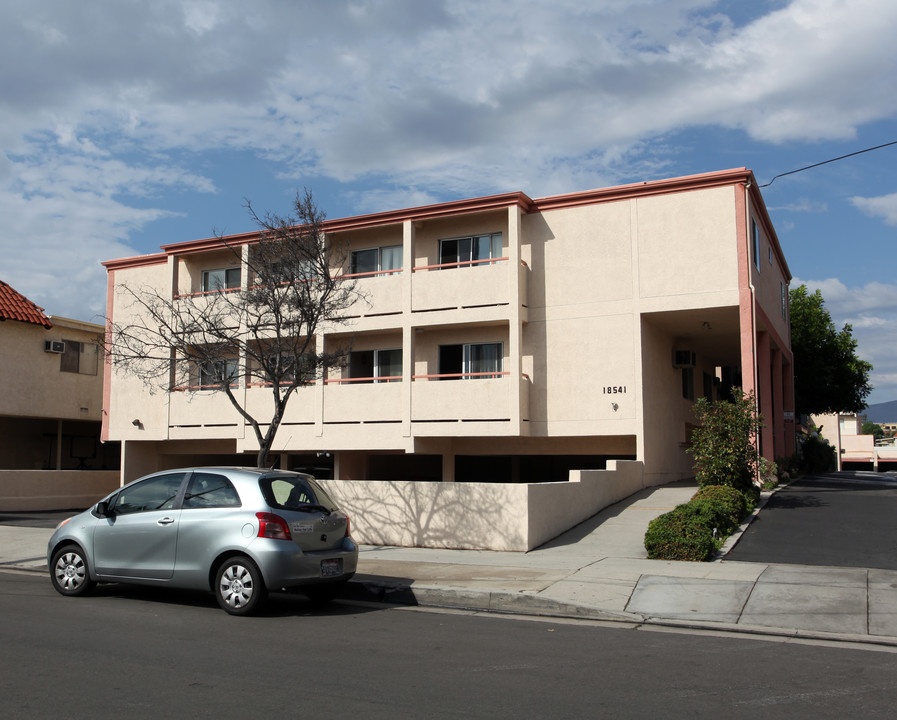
column 776, row 420
column 515, row 321
column 408, row 348
column 764, row 393
column 319, row 387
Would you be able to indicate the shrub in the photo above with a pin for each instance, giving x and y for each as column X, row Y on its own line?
column 728, row 505
column 818, row 456
column 769, row 473
column 723, row 443
column 681, row 534
column 751, row 498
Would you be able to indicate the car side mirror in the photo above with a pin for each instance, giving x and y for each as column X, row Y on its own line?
column 103, row 508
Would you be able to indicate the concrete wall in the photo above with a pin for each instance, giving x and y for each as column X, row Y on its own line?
column 485, row 516
column 30, row 490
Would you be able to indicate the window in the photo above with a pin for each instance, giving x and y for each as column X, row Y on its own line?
column 688, row 383
column 382, row 261
column 79, row 357
column 467, row 251
column 221, row 279
column 208, row 490
column 290, row 492
column 212, row 374
column 470, row 361
column 376, row 365
column 755, row 243
column 291, row 368
column 157, row 493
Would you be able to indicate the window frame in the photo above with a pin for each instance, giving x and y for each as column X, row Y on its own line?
column 473, row 254
column 377, row 373
column 208, row 286
column 380, row 265
column 73, row 359
column 233, row 375
column 466, row 372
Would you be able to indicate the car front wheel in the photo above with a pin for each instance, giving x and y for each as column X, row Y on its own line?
column 69, row 571
column 239, row 587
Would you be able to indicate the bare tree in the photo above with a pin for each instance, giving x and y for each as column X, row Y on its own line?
column 263, row 332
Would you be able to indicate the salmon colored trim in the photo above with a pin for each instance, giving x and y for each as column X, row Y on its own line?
column 739, row 176
column 136, row 261
column 770, row 328
column 746, row 303
column 644, row 189
column 462, row 263
column 107, row 361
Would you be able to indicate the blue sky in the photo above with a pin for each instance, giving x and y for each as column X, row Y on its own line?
column 126, row 125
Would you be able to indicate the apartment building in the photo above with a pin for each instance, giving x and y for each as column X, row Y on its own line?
column 51, row 457
column 503, row 339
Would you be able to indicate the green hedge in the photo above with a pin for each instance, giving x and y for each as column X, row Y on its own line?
column 686, row 533
column 681, row 534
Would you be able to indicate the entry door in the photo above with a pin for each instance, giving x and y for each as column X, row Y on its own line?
column 139, row 538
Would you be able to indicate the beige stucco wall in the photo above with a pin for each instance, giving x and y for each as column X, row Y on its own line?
column 589, row 366
column 31, row 490
column 490, row 516
column 34, row 386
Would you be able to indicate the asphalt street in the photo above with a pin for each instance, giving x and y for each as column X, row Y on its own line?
column 831, row 521
column 144, row 653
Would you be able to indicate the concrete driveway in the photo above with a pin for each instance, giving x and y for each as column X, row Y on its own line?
column 839, row 520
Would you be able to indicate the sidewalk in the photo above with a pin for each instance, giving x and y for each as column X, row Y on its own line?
column 599, row 570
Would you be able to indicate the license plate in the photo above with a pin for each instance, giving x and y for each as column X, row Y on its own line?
column 331, row 568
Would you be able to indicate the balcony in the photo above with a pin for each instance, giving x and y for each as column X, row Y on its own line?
column 443, row 407
column 473, row 284
column 362, row 402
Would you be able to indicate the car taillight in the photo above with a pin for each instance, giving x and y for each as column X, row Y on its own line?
column 273, row 526
column 348, row 527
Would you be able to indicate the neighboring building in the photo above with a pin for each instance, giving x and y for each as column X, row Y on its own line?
column 50, row 410
column 580, row 329
column 853, row 449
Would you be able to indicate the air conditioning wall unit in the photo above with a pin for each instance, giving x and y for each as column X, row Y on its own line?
column 54, row 346
column 683, row 359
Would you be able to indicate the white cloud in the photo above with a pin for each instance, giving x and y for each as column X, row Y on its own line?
column 884, row 206
column 106, row 106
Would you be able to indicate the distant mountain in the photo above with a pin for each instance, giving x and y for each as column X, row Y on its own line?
column 881, row 412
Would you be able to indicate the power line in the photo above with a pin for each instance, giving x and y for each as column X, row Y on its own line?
column 826, row 162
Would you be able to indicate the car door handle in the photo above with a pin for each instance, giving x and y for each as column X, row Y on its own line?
column 165, row 521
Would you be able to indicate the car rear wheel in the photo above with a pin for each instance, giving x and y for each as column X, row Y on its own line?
column 239, row 587
column 69, row 571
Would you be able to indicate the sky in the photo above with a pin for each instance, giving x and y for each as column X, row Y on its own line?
column 126, row 125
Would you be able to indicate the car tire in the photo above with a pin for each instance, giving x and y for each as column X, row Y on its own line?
column 239, row 587
column 70, row 573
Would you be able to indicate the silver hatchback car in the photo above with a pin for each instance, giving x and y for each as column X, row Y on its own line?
column 239, row 532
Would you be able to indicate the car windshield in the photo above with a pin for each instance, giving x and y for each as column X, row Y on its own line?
column 293, row 492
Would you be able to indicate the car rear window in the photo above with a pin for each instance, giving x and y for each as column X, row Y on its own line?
column 291, row 491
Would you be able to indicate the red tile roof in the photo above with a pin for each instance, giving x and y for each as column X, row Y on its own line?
column 15, row 306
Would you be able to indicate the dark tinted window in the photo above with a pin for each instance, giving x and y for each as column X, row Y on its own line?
column 207, row 490
column 156, row 493
column 288, row 492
